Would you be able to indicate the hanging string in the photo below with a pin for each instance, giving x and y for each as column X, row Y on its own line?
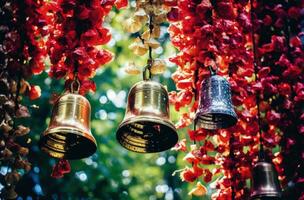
column 18, row 91
column 255, row 64
column 147, row 71
column 75, row 85
column 212, row 70
column 287, row 31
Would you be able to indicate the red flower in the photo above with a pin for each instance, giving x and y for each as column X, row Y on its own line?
column 225, row 10
column 203, row 8
column 121, row 3
column 64, row 166
column 103, row 57
column 267, row 20
column 207, row 176
column 273, row 117
column 173, row 15
column 180, row 146
column 83, row 12
column 294, row 12
column 61, row 168
column 86, row 86
column 264, row 72
column 191, row 174
column 284, row 89
column 292, row 72
column 95, row 37
column 207, row 160
column 56, row 173
column 35, row 92
column 198, row 135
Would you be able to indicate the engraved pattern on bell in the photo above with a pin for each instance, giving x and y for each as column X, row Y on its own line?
column 146, row 127
column 69, row 135
column 215, row 106
column 265, row 182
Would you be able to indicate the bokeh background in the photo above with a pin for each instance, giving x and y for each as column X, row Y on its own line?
column 112, row 173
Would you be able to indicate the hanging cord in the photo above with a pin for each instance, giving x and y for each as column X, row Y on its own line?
column 212, row 70
column 261, row 152
column 287, row 30
column 75, row 85
column 147, row 71
column 18, row 91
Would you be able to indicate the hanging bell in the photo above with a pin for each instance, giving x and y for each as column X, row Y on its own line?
column 265, row 183
column 68, row 135
column 146, row 127
column 215, row 106
column 9, row 193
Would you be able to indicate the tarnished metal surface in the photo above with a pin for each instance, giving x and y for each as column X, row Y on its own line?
column 215, row 106
column 265, row 182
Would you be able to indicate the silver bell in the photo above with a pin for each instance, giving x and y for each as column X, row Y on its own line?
column 265, row 183
column 215, row 106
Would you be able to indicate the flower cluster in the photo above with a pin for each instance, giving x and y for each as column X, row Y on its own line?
column 149, row 15
column 75, row 36
column 21, row 55
column 217, row 34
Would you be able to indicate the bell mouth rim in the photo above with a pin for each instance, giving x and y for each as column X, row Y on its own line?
column 230, row 120
column 148, row 119
column 167, row 123
column 62, row 153
column 269, row 194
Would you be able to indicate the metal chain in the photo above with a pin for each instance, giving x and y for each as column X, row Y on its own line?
column 75, row 82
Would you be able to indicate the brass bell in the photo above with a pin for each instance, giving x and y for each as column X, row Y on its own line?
column 146, row 127
column 69, row 135
column 265, row 183
column 215, row 106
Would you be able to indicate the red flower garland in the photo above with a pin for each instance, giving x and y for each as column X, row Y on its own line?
column 21, row 54
column 283, row 62
column 75, row 32
column 205, row 34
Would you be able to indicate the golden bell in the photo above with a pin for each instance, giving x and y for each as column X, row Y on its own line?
column 69, row 135
column 265, row 182
column 146, row 127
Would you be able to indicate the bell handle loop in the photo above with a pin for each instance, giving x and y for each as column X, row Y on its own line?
column 212, row 70
column 147, row 71
column 75, row 84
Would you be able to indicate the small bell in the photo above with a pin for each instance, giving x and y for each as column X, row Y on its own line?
column 146, row 127
column 69, row 135
column 265, row 183
column 215, row 106
column 9, row 193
